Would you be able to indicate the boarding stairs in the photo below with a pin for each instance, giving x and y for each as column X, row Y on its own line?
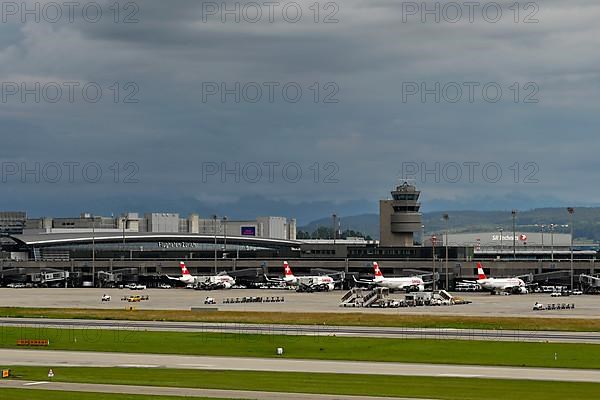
column 444, row 295
column 359, row 297
column 371, row 297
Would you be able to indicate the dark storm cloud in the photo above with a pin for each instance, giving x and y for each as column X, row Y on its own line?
column 171, row 132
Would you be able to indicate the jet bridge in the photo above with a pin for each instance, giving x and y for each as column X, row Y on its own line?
column 590, row 283
column 49, row 277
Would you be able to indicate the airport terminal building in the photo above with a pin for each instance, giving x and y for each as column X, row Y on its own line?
column 146, row 247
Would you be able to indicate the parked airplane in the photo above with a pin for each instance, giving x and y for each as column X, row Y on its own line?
column 512, row 285
column 220, row 281
column 410, row 283
column 305, row 283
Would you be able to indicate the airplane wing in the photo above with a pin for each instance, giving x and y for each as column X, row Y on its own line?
column 207, row 285
column 526, row 277
column 514, row 289
column 368, row 284
column 361, row 280
column 276, row 280
column 305, row 287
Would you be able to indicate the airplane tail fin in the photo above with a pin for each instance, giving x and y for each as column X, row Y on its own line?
column 480, row 273
column 378, row 274
column 184, row 270
column 288, row 270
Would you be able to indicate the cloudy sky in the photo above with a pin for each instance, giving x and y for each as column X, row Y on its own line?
column 296, row 108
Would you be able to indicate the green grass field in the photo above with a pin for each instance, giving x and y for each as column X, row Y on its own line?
column 28, row 394
column 339, row 319
column 314, row 347
column 339, row 384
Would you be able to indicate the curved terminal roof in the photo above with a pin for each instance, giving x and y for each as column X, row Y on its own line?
column 50, row 239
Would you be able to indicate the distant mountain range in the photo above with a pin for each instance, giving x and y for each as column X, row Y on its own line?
column 586, row 222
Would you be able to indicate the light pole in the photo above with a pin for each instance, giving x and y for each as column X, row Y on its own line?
column 93, row 251
column 433, row 239
column 501, row 230
column 215, row 232
column 571, row 210
column 334, row 216
column 542, row 228
column 124, row 224
column 514, row 215
column 552, row 242
column 224, row 236
column 446, row 218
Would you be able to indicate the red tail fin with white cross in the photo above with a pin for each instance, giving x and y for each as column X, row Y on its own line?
column 184, row 270
column 287, row 270
column 480, row 273
column 378, row 274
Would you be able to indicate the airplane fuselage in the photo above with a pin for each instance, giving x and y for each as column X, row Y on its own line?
column 494, row 284
column 401, row 283
column 323, row 281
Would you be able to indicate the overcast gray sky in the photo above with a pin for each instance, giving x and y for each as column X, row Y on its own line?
column 200, row 111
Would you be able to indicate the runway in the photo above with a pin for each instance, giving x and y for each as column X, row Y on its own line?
column 52, row 358
column 313, row 330
column 165, row 391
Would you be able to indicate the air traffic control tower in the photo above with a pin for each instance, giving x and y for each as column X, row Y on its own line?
column 399, row 218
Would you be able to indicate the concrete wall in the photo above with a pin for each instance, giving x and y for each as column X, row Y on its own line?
column 162, row 222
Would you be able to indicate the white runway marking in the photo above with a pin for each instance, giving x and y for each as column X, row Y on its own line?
column 138, row 366
column 197, row 365
column 458, row 376
column 35, row 383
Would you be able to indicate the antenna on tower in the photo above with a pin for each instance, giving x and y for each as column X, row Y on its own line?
column 405, row 182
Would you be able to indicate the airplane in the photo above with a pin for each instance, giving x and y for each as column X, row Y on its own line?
column 305, row 283
column 410, row 283
column 512, row 285
column 220, row 281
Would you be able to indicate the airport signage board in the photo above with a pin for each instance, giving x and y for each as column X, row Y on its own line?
column 177, row 245
column 486, row 239
column 248, row 230
column 521, row 237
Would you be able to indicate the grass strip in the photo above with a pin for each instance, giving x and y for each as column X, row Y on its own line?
column 336, row 384
column 337, row 319
column 530, row 354
column 28, row 394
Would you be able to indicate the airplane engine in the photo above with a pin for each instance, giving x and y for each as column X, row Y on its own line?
column 523, row 290
column 330, row 286
column 227, row 285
